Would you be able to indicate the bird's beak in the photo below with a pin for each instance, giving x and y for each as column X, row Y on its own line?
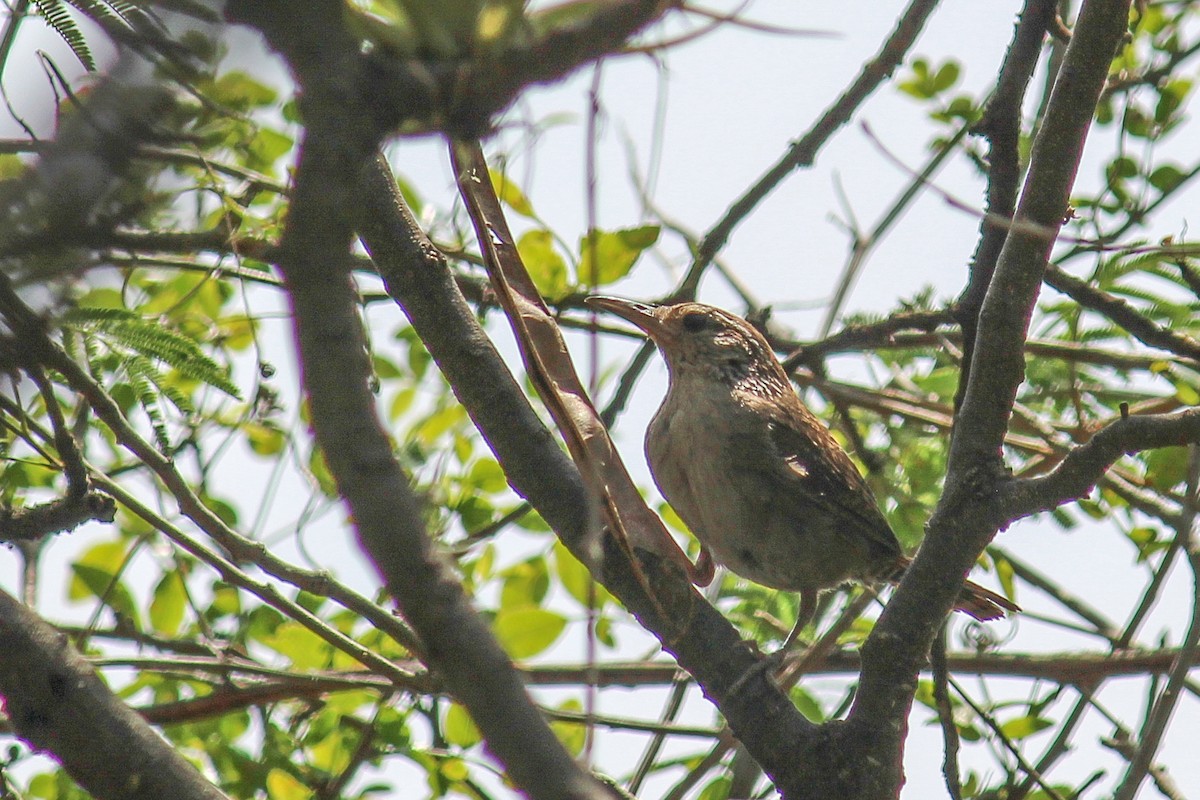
column 640, row 314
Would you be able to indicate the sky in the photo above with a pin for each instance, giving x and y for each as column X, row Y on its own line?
column 724, row 107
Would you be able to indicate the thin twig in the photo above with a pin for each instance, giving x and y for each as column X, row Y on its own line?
column 862, row 246
column 804, row 151
column 1061, row 744
column 1025, row 766
column 945, row 711
column 1156, row 722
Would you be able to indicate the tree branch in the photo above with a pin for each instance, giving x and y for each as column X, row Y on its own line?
column 479, row 89
column 343, row 123
column 1083, row 466
column 57, row 703
column 803, row 152
column 257, row 685
column 1001, row 124
column 56, row 516
column 702, row 640
column 1122, row 313
column 967, row 516
column 1155, row 726
column 1013, row 292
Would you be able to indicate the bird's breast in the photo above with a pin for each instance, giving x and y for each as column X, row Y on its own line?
column 709, row 455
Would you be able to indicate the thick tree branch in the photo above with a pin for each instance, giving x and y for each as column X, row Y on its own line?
column 460, row 93
column 56, row 702
column 1001, row 124
column 1080, row 470
column 1012, row 294
column 343, row 122
column 56, row 516
column 479, row 89
column 968, row 517
column 418, row 277
column 703, row 641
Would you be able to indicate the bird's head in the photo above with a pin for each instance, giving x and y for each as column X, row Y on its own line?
column 702, row 340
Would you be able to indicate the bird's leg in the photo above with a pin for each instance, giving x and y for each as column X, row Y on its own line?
column 808, row 609
column 775, row 663
column 705, row 568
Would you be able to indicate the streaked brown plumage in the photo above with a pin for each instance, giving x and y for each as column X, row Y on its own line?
column 757, row 478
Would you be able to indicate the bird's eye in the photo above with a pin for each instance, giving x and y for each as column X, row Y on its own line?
column 695, row 321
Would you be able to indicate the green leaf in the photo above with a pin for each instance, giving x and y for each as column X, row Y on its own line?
column 1021, row 727
column 607, row 256
column 572, row 734
column 716, row 789
column 574, row 575
column 238, row 90
column 454, row 770
column 331, row 754
column 527, row 631
column 945, row 77
column 576, row 579
column 604, row 631
column 319, row 470
column 546, row 267
column 1166, row 178
column 264, row 438
column 401, row 403
column 510, row 194
column 104, row 585
column 150, row 339
column 439, row 423
column 1122, row 167
column 384, row 367
column 1007, row 576
column 59, row 18
column 226, row 602
column 807, row 704
column 917, row 85
column 459, row 729
column 410, row 195
column 487, row 476
column 1166, row 467
column 525, row 584
column 1147, row 542
column 11, row 166
column 925, row 83
column 282, row 785
column 1186, row 394
column 305, row 649
column 106, row 557
column 168, row 604
column 671, row 519
column 267, row 147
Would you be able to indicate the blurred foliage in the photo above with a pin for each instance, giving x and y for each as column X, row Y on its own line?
column 179, row 322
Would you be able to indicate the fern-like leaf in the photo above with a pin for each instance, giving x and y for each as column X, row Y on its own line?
column 102, row 13
column 150, row 339
column 145, row 380
column 59, row 18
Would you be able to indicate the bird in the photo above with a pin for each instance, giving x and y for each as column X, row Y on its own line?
column 761, row 482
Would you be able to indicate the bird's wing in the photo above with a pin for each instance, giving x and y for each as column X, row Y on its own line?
column 811, row 460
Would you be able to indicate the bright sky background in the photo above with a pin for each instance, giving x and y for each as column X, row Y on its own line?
column 730, row 103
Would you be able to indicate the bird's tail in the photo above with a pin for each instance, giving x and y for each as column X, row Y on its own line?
column 974, row 600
